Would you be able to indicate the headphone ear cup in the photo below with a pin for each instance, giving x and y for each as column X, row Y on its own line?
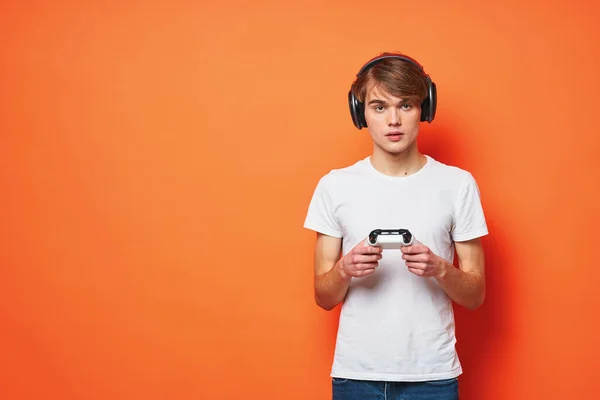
column 430, row 103
column 360, row 110
column 356, row 111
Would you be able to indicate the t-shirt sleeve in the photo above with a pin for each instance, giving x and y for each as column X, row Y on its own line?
column 320, row 216
column 469, row 218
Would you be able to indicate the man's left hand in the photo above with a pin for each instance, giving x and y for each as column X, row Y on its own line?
column 421, row 261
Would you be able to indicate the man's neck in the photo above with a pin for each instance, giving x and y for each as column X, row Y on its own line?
column 399, row 164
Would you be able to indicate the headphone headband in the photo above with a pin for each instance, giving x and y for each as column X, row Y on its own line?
column 377, row 59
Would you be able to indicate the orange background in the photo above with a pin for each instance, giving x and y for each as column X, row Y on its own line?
column 157, row 160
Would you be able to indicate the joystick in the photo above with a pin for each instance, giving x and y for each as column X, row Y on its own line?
column 390, row 238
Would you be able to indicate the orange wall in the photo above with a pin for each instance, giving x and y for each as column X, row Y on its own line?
column 156, row 163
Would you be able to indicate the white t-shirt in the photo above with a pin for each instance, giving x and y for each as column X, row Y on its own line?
column 394, row 325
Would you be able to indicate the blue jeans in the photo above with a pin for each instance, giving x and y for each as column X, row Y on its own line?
column 349, row 389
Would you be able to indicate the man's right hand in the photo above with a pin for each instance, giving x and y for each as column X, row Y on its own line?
column 361, row 261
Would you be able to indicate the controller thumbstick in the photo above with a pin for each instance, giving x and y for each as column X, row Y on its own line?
column 372, row 238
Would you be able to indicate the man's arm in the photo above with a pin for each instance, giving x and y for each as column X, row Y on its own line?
column 466, row 284
column 331, row 284
column 333, row 274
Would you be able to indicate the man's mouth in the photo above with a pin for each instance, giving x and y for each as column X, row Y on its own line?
column 396, row 135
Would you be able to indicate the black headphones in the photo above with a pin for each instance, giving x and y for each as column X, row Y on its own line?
column 428, row 107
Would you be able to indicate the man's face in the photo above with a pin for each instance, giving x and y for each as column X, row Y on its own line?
column 392, row 122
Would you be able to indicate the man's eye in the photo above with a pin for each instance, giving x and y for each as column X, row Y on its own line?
column 406, row 106
column 378, row 108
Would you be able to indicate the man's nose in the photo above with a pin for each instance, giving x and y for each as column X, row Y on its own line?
column 393, row 117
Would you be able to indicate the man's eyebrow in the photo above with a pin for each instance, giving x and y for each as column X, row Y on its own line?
column 377, row 101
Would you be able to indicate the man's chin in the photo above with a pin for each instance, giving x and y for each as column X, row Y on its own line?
column 394, row 149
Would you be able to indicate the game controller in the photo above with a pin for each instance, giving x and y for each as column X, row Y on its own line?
column 390, row 238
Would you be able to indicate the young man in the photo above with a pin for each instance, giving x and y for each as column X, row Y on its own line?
column 396, row 334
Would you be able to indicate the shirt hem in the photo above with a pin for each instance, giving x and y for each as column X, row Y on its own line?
column 470, row 236
column 383, row 377
column 323, row 230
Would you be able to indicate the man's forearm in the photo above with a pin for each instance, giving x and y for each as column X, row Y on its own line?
column 465, row 288
column 331, row 287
